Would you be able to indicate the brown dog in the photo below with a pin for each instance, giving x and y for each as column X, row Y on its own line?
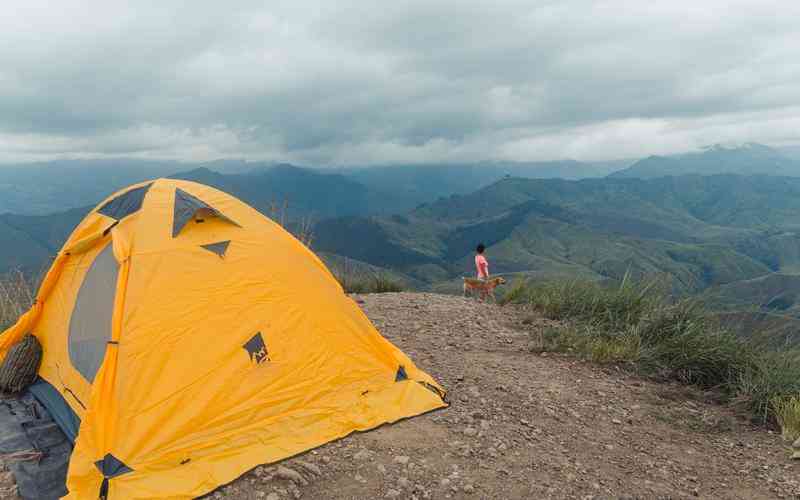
column 486, row 288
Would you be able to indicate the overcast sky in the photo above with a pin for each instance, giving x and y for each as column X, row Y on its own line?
column 340, row 82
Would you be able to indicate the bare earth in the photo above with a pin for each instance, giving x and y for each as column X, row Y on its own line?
column 524, row 425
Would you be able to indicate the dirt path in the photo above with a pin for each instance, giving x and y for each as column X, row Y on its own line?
column 523, row 425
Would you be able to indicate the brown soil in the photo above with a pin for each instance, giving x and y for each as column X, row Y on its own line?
column 525, row 425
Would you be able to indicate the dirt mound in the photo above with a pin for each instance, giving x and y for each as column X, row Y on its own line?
column 523, row 425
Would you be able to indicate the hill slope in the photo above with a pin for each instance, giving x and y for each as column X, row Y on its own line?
column 701, row 230
column 779, row 293
column 27, row 242
column 747, row 159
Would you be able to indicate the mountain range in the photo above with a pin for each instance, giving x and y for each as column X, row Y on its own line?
column 48, row 187
column 721, row 235
column 745, row 159
column 700, row 230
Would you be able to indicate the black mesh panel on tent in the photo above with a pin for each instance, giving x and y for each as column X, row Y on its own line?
column 125, row 204
column 90, row 325
column 186, row 206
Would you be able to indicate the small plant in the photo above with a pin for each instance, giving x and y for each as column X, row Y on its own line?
column 787, row 413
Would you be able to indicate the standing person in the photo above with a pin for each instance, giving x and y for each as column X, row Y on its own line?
column 481, row 264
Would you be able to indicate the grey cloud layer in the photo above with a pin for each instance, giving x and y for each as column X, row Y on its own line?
column 360, row 82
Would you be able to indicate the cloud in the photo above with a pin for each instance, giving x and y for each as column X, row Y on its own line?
column 375, row 82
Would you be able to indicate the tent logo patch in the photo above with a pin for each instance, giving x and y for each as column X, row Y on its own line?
column 256, row 348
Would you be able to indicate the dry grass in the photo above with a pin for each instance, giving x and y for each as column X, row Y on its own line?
column 302, row 228
column 787, row 411
column 16, row 297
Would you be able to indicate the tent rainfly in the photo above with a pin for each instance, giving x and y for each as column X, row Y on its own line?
column 187, row 339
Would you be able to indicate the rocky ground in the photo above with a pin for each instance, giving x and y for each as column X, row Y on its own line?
column 527, row 425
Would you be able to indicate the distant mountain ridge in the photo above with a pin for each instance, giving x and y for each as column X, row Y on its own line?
column 424, row 183
column 54, row 186
column 48, row 187
column 745, row 159
column 302, row 192
column 703, row 231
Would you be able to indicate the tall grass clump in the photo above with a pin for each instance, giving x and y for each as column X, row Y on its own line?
column 640, row 325
column 774, row 378
column 787, row 412
column 683, row 342
column 608, row 308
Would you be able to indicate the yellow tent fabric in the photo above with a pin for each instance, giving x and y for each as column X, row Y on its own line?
column 194, row 338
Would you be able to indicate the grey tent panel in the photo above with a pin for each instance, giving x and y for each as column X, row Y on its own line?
column 90, row 325
column 218, row 248
column 125, row 204
column 59, row 409
column 186, row 206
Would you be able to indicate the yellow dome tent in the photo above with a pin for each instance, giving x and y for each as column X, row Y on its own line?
column 187, row 339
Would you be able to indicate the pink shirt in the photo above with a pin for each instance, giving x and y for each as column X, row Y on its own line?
column 482, row 265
